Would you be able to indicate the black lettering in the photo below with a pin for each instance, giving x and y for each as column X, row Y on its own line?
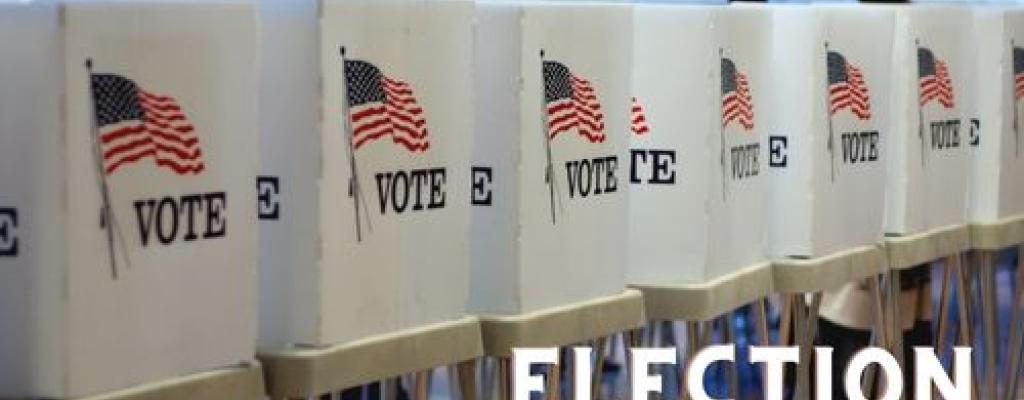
column 144, row 212
column 383, row 185
column 268, row 190
column 216, row 221
column 584, row 190
column 418, row 177
column 480, row 195
column 873, row 146
column 777, row 157
column 8, row 232
column 399, row 206
column 633, row 170
column 598, row 166
column 164, row 235
column 570, row 174
column 661, row 160
column 437, row 181
column 189, row 203
column 611, row 183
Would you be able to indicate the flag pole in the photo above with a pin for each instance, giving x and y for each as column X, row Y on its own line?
column 1013, row 85
column 106, row 215
column 828, row 115
column 355, row 191
column 920, row 107
column 549, row 170
column 721, row 127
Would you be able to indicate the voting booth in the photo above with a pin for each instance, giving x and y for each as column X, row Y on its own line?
column 551, row 85
column 828, row 123
column 367, row 136
column 672, row 152
column 929, row 160
column 993, row 130
column 128, row 150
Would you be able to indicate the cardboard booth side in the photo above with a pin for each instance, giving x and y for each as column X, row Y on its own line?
column 287, row 188
column 33, row 264
column 165, row 285
column 793, row 191
column 670, row 151
column 737, row 205
column 495, row 279
column 581, row 254
column 395, row 252
column 928, row 176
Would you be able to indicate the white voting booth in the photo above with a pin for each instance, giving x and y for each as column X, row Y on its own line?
column 697, row 169
column 127, row 230
column 367, row 131
column 697, row 165
column 929, row 159
column 993, row 131
column 828, row 124
column 551, row 84
column 672, row 124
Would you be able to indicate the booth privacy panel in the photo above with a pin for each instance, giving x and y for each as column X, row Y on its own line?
column 149, row 224
column 554, row 78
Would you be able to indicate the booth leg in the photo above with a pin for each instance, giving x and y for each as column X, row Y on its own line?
column 965, row 307
column 554, row 379
column 600, row 344
column 878, row 331
column 729, row 336
column 805, row 322
column 786, row 321
column 895, row 312
column 761, row 321
column 465, row 374
column 504, row 370
column 989, row 325
column 942, row 320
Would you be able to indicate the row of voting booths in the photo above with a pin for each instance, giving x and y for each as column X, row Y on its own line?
column 439, row 182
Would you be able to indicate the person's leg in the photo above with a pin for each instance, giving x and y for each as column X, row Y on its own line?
column 845, row 342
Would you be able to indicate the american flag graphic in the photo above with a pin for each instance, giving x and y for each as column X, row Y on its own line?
column 846, row 87
column 383, row 106
column 737, row 104
column 638, row 118
column 935, row 83
column 571, row 102
column 1018, row 72
column 135, row 125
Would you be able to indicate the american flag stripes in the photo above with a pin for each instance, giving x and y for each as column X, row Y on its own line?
column 846, row 87
column 935, row 83
column 737, row 104
column 571, row 102
column 135, row 125
column 1018, row 72
column 382, row 106
column 638, row 118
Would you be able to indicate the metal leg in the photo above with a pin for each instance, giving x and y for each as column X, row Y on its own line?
column 966, row 335
column 504, row 369
column 942, row 322
column 692, row 344
column 761, row 320
column 598, row 372
column 786, row 321
column 800, row 335
column 422, row 385
column 989, row 327
column 896, row 310
column 877, row 331
column 554, row 380
column 466, row 375
column 729, row 336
